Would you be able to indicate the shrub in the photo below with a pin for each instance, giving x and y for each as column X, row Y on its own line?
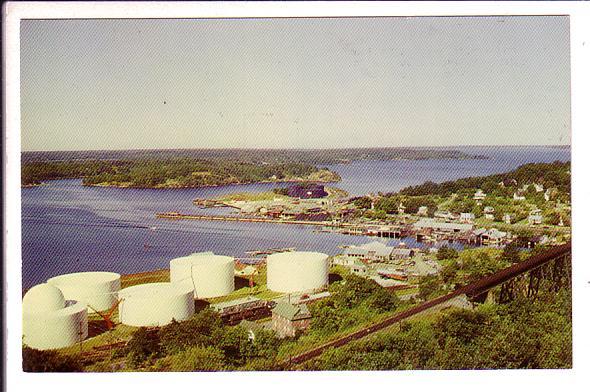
column 197, row 359
column 49, row 361
column 143, row 346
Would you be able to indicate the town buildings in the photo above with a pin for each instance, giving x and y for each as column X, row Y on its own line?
column 376, row 251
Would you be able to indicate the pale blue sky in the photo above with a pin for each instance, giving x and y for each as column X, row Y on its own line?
column 308, row 83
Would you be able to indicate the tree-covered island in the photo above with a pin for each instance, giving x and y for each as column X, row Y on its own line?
column 206, row 167
column 173, row 173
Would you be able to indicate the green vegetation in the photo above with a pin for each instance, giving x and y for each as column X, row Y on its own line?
column 202, row 343
column 246, row 196
column 544, row 186
column 520, row 335
column 49, row 361
column 469, row 266
column 446, row 253
column 550, row 175
column 258, row 156
column 390, row 204
column 462, row 268
column 172, row 173
column 145, row 277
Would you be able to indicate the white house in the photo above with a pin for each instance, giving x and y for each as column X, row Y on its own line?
column 467, row 217
column 479, row 196
column 488, row 213
column 518, row 196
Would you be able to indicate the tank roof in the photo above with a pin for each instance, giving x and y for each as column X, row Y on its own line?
column 43, row 298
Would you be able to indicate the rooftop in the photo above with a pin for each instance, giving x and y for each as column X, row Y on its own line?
column 291, row 312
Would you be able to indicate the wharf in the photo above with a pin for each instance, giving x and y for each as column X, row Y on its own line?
column 175, row 215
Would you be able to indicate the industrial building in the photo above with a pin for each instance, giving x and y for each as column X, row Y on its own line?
column 236, row 310
column 155, row 304
column 292, row 272
column 376, row 251
column 97, row 290
column 49, row 321
column 207, row 274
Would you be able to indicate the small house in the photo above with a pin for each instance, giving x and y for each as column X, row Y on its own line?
column 479, row 196
column 358, row 268
column 287, row 319
column 535, row 219
column 518, row 196
column 507, row 218
column 488, row 212
column 467, row 217
column 401, row 208
column 423, row 211
column 446, row 215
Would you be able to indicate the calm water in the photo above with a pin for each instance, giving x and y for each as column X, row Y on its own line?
column 70, row 228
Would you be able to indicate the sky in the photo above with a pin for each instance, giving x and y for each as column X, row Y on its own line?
column 294, row 83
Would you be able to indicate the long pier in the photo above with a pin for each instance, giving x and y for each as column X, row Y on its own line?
column 346, row 228
column 168, row 215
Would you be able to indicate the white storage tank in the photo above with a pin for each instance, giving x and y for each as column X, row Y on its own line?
column 155, row 304
column 50, row 321
column 293, row 272
column 97, row 289
column 209, row 275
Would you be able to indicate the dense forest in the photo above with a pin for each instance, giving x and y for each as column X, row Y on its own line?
column 172, row 173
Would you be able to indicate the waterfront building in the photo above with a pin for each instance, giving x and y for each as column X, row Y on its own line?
column 376, row 251
column 444, row 227
column 490, row 237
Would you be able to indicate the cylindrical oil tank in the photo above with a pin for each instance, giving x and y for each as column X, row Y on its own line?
column 155, row 304
column 97, row 289
column 209, row 275
column 292, row 272
column 50, row 321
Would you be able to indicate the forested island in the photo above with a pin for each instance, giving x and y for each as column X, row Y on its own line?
column 172, row 173
column 206, row 167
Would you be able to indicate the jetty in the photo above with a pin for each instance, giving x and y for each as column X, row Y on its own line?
column 176, row 215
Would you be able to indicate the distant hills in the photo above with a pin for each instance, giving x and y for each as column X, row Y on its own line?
column 258, row 156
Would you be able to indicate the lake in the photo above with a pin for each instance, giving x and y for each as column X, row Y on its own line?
column 67, row 227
